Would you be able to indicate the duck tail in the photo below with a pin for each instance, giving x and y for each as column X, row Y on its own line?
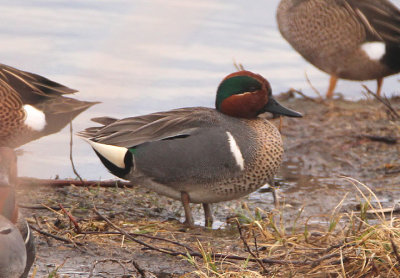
column 118, row 160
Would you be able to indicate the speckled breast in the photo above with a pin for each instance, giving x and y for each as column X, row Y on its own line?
column 260, row 165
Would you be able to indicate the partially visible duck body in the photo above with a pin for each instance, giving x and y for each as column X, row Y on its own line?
column 197, row 154
column 12, row 223
column 32, row 106
column 12, row 250
column 348, row 39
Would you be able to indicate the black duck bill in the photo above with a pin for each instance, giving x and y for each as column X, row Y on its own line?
column 274, row 107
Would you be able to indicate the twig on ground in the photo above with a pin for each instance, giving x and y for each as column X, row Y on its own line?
column 280, row 127
column 142, row 235
column 28, row 206
column 312, row 87
column 134, row 239
column 383, row 210
column 255, row 243
column 71, row 143
column 395, row 250
column 139, row 269
column 319, row 101
column 265, row 271
column 40, row 227
column 71, row 218
column 339, row 245
column 323, row 258
column 385, row 139
column 66, row 240
column 51, row 182
column 214, row 255
column 104, row 261
column 385, row 102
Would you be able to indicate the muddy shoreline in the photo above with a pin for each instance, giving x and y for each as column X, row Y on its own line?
column 334, row 139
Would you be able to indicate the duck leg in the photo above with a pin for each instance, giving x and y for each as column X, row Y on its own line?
column 208, row 218
column 13, row 170
column 9, row 208
column 276, row 197
column 332, row 85
column 8, row 162
column 274, row 193
column 379, row 83
column 188, row 213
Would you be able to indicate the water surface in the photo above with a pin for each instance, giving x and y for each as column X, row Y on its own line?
column 144, row 56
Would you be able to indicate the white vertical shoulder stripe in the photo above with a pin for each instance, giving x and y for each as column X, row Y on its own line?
column 237, row 154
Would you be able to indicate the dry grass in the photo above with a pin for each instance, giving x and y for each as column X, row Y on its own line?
column 347, row 244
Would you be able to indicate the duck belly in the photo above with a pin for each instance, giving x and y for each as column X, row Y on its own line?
column 200, row 193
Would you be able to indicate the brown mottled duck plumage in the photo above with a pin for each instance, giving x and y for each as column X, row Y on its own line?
column 349, row 39
column 20, row 91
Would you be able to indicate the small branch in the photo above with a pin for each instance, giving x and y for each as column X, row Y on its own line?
column 255, row 243
column 104, row 261
column 40, row 227
column 385, row 102
column 70, row 152
column 134, row 239
column 142, row 235
column 312, row 86
column 248, row 248
column 60, row 183
column 385, row 139
column 319, row 101
column 66, row 240
column 395, row 250
column 339, row 245
column 27, row 206
column 71, row 218
column 215, row 255
column 139, row 269
column 323, row 258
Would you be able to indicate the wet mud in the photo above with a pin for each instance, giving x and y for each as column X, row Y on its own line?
column 335, row 142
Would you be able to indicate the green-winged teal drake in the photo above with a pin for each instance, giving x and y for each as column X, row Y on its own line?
column 349, row 39
column 17, row 247
column 198, row 154
column 32, row 106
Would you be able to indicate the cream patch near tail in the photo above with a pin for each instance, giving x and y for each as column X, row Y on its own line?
column 34, row 118
column 114, row 154
column 374, row 50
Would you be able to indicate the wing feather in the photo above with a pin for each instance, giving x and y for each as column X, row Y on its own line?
column 31, row 88
column 381, row 19
column 133, row 131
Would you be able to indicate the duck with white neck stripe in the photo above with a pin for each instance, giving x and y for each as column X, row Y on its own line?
column 198, row 154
